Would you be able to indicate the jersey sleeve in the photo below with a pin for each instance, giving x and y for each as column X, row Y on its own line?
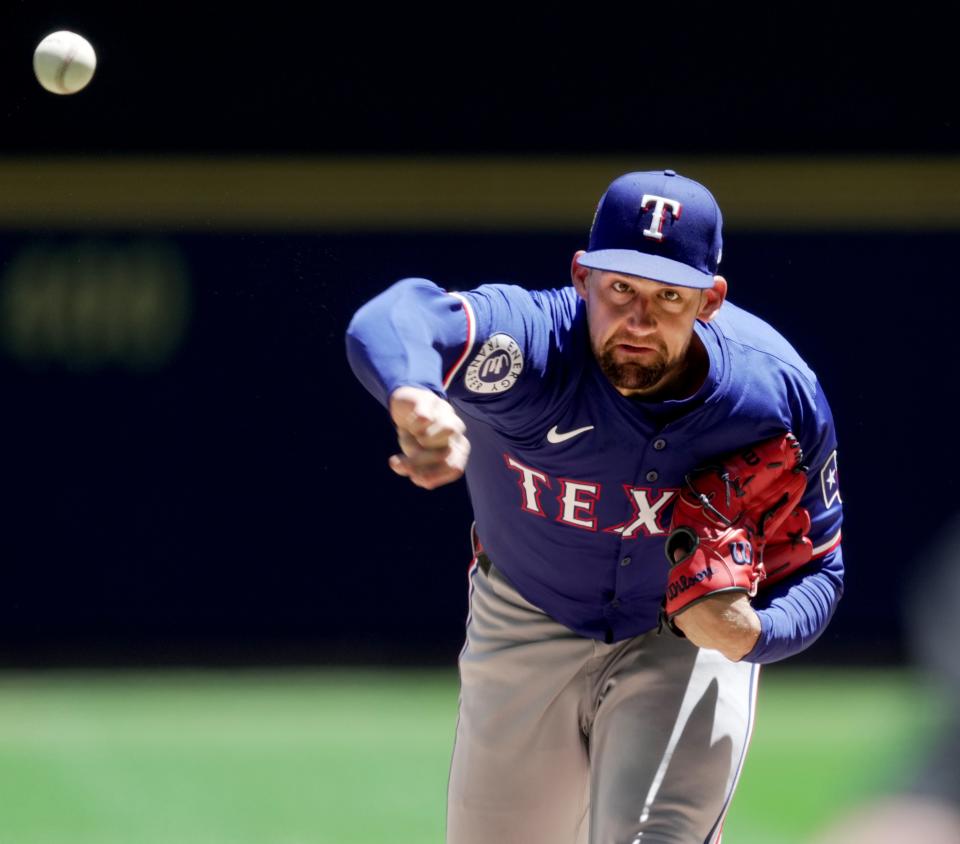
column 794, row 612
column 488, row 350
column 409, row 335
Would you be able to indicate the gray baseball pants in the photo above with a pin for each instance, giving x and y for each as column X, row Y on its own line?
column 567, row 740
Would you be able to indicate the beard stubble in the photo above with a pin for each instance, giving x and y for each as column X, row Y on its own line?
column 634, row 375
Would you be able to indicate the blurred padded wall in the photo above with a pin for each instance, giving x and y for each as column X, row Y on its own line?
column 194, row 474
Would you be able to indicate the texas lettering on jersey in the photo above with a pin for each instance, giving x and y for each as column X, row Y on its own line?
column 576, row 502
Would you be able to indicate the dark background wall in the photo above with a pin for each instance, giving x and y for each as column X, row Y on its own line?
column 481, row 78
column 191, row 472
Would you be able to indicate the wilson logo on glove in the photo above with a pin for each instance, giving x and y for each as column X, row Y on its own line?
column 683, row 583
column 741, row 553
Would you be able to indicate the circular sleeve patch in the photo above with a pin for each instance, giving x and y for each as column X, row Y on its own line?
column 496, row 367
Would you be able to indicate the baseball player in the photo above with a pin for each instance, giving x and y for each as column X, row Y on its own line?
column 608, row 692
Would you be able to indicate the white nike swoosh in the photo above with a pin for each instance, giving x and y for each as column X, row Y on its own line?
column 555, row 437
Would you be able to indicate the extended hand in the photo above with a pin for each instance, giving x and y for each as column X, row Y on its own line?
column 431, row 436
column 723, row 622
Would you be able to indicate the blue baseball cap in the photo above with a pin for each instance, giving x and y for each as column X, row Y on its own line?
column 657, row 225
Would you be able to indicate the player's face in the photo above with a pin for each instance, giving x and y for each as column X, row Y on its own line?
column 642, row 330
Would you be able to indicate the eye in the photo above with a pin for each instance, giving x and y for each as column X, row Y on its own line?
column 671, row 296
column 620, row 287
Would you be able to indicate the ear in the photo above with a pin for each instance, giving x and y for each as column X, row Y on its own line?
column 712, row 299
column 579, row 274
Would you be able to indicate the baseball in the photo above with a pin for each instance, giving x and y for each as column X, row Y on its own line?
column 64, row 62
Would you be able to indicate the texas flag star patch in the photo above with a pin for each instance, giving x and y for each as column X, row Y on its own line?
column 830, row 481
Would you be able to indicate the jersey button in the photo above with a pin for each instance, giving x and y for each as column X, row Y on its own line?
column 660, row 444
column 652, row 476
column 625, row 561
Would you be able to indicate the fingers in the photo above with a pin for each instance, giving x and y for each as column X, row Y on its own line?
column 431, row 468
column 424, row 477
column 438, row 431
column 429, row 419
column 434, row 449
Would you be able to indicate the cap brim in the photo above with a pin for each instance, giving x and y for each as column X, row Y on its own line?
column 654, row 267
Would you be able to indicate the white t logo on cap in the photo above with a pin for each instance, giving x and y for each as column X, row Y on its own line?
column 659, row 204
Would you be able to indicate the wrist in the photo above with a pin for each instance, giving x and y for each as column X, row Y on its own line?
column 723, row 622
column 756, row 638
column 748, row 634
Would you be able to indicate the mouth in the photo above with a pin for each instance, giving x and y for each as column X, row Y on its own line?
column 630, row 349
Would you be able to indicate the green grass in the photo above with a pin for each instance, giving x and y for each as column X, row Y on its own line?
column 338, row 757
column 823, row 741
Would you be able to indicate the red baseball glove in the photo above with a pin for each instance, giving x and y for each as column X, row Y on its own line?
column 726, row 516
column 788, row 549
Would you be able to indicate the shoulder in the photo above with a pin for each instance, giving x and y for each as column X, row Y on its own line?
column 559, row 305
column 772, row 382
column 768, row 380
column 539, row 321
column 522, row 344
column 766, row 351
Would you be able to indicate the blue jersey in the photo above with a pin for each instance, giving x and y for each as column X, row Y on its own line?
column 573, row 484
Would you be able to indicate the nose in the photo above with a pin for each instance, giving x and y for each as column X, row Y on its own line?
column 641, row 315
